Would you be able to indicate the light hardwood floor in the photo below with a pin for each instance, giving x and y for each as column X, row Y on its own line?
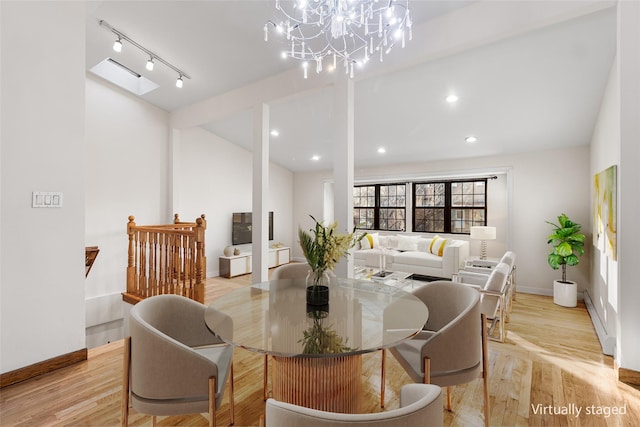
column 550, row 360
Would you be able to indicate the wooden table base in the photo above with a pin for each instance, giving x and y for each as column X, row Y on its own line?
column 330, row 383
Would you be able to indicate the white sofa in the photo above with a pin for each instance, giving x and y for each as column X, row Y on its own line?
column 437, row 256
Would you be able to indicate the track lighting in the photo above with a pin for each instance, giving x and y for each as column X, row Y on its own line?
column 117, row 46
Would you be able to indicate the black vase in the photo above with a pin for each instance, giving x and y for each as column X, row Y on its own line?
column 318, row 295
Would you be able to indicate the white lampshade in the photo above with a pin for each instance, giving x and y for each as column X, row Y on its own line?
column 483, row 233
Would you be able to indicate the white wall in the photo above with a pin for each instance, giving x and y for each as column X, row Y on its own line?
column 605, row 152
column 614, row 294
column 628, row 340
column 214, row 177
column 127, row 159
column 543, row 186
column 43, row 112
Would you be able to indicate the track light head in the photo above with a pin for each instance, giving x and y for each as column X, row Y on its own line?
column 150, row 64
column 179, row 82
column 117, row 45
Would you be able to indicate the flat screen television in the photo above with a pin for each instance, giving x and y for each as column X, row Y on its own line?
column 241, row 228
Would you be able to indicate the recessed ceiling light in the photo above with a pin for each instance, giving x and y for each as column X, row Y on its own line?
column 471, row 139
column 315, row 157
column 274, row 132
column 452, row 98
column 382, row 150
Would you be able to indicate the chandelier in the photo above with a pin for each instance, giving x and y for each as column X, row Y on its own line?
column 350, row 32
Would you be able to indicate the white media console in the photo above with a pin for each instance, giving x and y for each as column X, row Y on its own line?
column 236, row 265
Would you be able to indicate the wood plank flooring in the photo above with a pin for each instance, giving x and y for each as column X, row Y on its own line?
column 550, row 362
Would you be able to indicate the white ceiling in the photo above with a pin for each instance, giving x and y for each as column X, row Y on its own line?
column 535, row 90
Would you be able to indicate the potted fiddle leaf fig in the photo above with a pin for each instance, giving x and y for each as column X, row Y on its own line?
column 567, row 245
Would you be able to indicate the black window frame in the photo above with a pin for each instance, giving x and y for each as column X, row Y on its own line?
column 448, row 205
column 378, row 207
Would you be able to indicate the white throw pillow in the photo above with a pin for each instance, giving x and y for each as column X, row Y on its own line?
column 423, row 244
column 407, row 243
column 392, row 242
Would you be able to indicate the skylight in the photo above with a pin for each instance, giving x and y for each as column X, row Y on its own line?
column 123, row 76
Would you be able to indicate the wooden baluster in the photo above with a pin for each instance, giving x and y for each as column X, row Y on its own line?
column 153, row 283
column 200, row 260
column 163, row 262
column 170, row 266
column 131, row 269
column 136, row 261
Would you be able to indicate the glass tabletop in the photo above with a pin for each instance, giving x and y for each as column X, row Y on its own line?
column 273, row 317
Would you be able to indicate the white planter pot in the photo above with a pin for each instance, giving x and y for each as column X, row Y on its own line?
column 565, row 293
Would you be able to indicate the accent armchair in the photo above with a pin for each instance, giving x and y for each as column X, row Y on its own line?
column 420, row 405
column 173, row 364
column 485, row 267
column 494, row 299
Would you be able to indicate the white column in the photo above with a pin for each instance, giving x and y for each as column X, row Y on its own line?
column 628, row 338
column 260, row 215
column 343, row 163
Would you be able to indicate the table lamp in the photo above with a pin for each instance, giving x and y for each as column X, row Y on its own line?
column 483, row 234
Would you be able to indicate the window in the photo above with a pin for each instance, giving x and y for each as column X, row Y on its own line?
column 449, row 206
column 380, row 207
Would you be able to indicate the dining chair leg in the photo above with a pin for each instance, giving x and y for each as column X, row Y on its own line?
column 232, row 409
column 212, row 401
column 383, row 377
column 154, row 421
column 485, row 371
column 449, row 398
column 265, row 392
column 126, row 378
column 427, row 370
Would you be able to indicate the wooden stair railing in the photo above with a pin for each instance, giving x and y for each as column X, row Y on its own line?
column 90, row 255
column 166, row 259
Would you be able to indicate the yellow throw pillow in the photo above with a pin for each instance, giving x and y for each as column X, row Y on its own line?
column 437, row 245
column 370, row 239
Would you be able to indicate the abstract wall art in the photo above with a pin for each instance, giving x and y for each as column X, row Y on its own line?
column 604, row 212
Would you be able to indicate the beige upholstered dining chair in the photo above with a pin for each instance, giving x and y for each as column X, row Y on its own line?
column 494, row 296
column 452, row 347
column 173, row 364
column 294, row 270
column 420, row 405
column 291, row 271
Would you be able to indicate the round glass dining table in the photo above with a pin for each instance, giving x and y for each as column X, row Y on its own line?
column 317, row 349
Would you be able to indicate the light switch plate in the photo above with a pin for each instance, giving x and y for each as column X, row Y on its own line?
column 46, row 199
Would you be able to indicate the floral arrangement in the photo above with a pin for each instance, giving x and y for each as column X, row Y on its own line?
column 324, row 246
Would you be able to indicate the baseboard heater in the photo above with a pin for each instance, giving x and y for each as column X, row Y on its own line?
column 607, row 342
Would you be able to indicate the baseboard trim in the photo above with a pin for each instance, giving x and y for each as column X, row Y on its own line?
column 629, row 376
column 535, row 291
column 607, row 342
column 50, row 365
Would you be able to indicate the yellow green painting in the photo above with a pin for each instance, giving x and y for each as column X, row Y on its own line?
column 604, row 209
